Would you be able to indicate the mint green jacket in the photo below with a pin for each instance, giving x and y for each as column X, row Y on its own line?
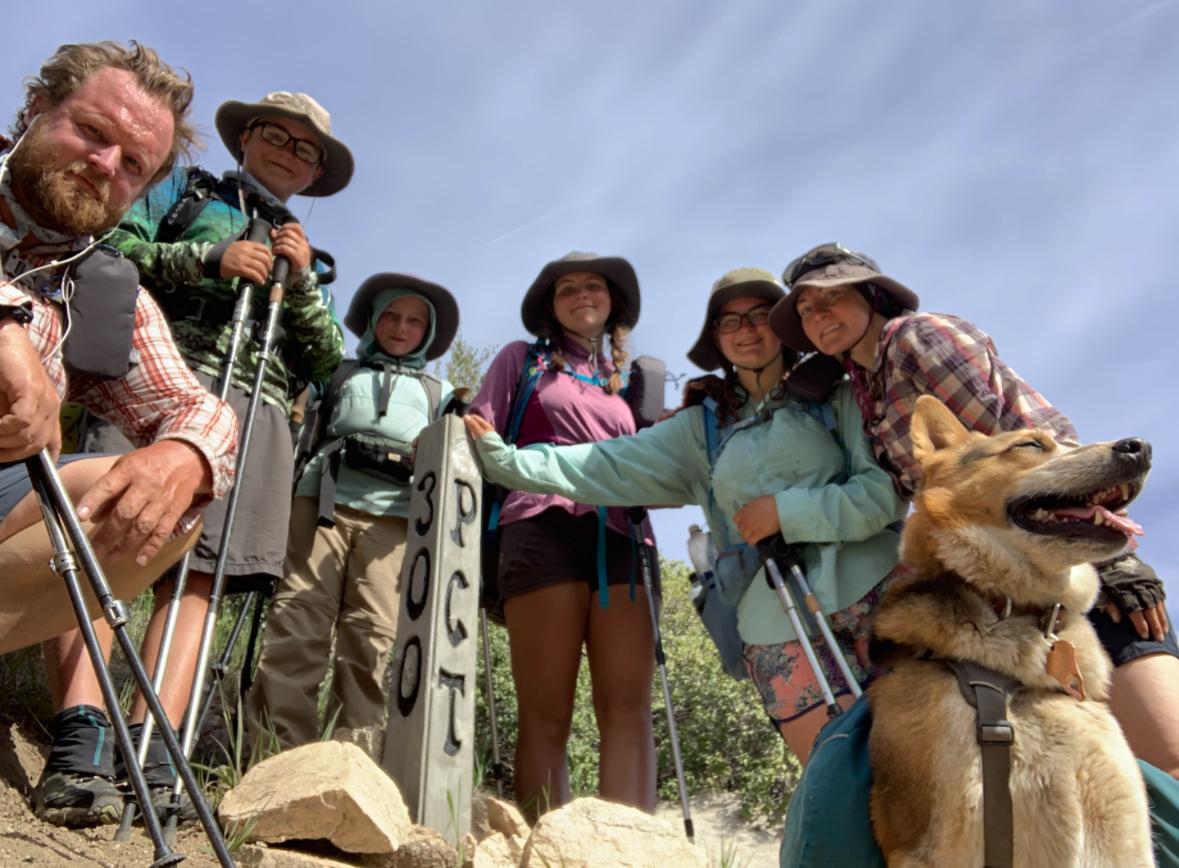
column 839, row 522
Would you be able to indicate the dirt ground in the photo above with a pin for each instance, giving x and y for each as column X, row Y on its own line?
column 25, row 840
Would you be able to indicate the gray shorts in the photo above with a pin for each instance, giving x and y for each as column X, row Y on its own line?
column 258, row 544
column 15, row 484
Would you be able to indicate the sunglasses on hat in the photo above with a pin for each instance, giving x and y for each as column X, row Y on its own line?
column 824, row 254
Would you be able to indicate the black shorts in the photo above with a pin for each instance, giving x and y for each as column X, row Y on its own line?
column 556, row 547
column 1122, row 642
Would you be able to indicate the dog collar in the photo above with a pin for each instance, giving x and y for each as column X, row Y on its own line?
column 1048, row 616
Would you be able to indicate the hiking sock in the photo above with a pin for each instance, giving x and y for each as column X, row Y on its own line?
column 157, row 766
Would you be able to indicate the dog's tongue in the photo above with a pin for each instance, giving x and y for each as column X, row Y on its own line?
column 1101, row 515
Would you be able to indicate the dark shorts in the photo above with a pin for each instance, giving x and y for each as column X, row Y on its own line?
column 1122, row 642
column 258, row 545
column 15, row 484
column 556, row 547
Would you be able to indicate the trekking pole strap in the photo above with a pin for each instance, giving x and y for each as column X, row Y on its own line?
column 987, row 691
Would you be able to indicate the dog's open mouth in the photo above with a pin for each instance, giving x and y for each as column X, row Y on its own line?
column 1100, row 515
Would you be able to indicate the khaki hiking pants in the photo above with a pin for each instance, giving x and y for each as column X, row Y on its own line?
column 345, row 577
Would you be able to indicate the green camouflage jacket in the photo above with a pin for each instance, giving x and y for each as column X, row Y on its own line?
column 175, row 273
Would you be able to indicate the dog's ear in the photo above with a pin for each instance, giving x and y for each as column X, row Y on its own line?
column 935, row 428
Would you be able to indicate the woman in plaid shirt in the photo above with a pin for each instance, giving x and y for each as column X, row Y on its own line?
column 841, row 305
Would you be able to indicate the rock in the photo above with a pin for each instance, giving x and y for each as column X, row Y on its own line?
column 261, row 856
column 590, row 832
column 506, row 818
column 480, row 825
column 425, row 848
column 370, row 739
column 466, row 850
column 327, row 790
column 495, row 851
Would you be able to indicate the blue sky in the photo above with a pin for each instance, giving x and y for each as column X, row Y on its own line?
column 1012, row 163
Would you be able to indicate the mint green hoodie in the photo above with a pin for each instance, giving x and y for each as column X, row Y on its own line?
column 357, row 412
column 841, row 528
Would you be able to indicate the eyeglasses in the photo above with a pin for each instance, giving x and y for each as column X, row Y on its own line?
column 727, row 323
column 824, row 254
column 273, row 134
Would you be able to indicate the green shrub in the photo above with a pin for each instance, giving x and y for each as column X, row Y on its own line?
column 726, row 742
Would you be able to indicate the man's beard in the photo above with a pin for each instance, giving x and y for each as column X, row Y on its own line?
column 54, row 198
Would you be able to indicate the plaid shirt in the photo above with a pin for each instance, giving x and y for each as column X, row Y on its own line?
column 949, row 358
column 157, row 399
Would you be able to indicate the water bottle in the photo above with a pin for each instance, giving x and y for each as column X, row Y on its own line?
column 702, row 554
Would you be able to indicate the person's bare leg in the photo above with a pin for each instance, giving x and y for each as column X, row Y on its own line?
column 186, row 642
column 1142, row 698
column 799, row 734
column 546, row 628
column 622, row 663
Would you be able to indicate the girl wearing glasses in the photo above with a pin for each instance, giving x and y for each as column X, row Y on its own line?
column 841, row 305
column 778, row 467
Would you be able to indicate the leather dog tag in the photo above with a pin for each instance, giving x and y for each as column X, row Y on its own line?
column 1062, row 665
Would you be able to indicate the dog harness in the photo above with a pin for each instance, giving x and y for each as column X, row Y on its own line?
column 987, row 691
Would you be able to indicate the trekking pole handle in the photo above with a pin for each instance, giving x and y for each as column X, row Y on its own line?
column 282, row 265
column 636, row 514
column 259, row 230
column 776, row 548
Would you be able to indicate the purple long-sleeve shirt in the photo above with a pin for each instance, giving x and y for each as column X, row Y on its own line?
column 561, row 410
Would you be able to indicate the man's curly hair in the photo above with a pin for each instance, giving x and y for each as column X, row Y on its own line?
column 69, row 67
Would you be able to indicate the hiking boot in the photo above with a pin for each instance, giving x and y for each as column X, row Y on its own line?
column 160, row 776
column 77, row 800
column 161, row 800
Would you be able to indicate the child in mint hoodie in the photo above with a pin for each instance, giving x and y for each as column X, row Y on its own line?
column 348, row 520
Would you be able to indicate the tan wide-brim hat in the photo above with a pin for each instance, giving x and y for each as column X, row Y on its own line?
column 835, row 265
column 233, row 117
column 738, row 283
column 537, row 308
column 446, row 312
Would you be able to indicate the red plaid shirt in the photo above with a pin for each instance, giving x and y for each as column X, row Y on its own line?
column 949, row 358
column 157, row 399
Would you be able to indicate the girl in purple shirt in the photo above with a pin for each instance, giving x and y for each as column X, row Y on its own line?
column 567, row 570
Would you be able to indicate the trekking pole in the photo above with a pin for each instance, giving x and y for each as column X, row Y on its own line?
column 636, row 515
column 768, row 550
column 124, row 831
column 259, row 231
column 497, row 767
column 191, row 722
column 57, row 510
column 812, row 604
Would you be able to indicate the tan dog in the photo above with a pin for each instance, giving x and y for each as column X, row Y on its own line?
column 1004, row 529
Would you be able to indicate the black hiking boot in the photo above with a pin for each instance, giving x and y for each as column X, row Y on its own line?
column 160, row 776
column 77, row 788
column 77, row 801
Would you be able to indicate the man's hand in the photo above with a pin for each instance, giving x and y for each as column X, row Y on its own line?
column 289, row 241
column 29, row 405
column 758, row 519
column 248, row 260
column 137, row 504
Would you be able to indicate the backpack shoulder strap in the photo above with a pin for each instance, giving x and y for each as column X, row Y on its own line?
column 529, row 376
column 187, row 208
column 710, row 429
column 825, row 413
column 433, row 387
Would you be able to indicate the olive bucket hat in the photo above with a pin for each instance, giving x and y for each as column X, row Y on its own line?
column 537, row 308
column 234, row 117
column 446, row 314
column 830, row 265
column 738, row 283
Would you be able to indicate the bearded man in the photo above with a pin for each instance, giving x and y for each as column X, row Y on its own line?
column 100, row 124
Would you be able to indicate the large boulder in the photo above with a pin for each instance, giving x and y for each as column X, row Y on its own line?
column 591, row 832
column 324, row 791
column 490, row 816
column 494, row 851
column 261, row 856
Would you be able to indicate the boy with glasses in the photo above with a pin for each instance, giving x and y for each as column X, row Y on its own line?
column 187, row 237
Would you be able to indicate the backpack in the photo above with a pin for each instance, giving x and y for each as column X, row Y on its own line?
column 373, row 453
column 536, row 362
column 717, row 606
